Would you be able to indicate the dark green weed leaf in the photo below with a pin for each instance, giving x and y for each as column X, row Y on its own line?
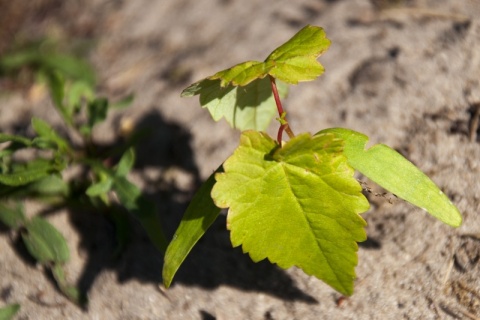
column 14, row 138
column 97, row 111
column 19, row 59
column 99, row 188
column 45, row 188
column 48, row 134
column 45, row 242
column 52, row 184
column 46, row 60
column 126, row 163
column 22, row 174
column 143, row 209
column 12, row 215
column 77, row 92
column 69, row 65
column 70, row 291
column 56, row 84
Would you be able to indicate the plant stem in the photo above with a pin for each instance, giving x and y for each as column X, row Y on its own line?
column 284, row 126
column 276, row 96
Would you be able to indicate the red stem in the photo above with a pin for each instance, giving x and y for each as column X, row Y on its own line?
column 284, row 126
column 276, row 96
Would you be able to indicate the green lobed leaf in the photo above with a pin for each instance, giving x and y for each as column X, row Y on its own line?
column 292, row 62
column 9, row 311
column 45, row 242
column 296, row 60
column 297, row 205
column 396, row 174
column 243, row 73
column 198, row 217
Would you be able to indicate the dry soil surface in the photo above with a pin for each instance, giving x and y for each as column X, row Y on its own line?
column 406, row 73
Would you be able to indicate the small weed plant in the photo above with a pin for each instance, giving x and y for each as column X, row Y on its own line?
column 295, row 202
column 103, row 184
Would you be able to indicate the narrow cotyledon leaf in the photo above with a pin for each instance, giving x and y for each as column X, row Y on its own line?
column 198, row 217
column 396, row 174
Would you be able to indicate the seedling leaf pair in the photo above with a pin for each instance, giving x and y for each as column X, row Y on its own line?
column 241, row 94
column 292, row 62
column 71, row 86
column 130, row 196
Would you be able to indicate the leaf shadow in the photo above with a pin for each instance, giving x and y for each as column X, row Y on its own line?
column 211, row 264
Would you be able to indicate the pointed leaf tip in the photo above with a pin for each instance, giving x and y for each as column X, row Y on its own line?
column 296, row 60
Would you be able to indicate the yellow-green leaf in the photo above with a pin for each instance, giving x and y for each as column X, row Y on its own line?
column 200, row 215
column 297, row 205
column 242, row 94
column 244, row 108
column 292, row 62
column 393, row 172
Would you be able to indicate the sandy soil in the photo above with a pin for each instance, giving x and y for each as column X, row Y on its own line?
column 406, row 73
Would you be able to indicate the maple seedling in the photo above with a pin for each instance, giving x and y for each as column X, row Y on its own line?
column 297, row 202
